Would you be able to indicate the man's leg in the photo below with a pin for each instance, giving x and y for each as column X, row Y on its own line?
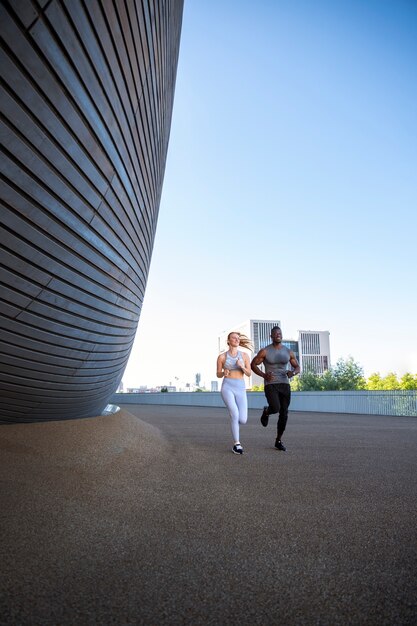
column 284, row 394
column 271, row 394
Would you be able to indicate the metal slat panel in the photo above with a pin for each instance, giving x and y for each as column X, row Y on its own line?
column 87, row 101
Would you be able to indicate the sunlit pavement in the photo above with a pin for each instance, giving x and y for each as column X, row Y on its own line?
column 146, row 517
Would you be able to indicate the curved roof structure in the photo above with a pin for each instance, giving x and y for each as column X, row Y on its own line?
column 87, row 97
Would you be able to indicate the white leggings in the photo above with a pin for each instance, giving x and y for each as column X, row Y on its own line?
column 234, row 396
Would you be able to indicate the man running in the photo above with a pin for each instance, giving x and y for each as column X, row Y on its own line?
column 275, row 358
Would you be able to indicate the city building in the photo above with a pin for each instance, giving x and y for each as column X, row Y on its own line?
column 314, row 350
column 311, row 349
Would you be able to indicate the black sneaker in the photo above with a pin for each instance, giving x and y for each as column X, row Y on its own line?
column 237, row 449
column 265, row 416
column 280, row 446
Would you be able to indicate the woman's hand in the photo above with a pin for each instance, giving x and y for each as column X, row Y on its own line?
column 241, row 364
column 226, row 373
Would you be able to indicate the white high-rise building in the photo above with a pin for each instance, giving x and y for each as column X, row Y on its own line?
column 312, row 349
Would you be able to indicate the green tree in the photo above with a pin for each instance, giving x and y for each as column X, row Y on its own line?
column 391, row 382
column 295, row 383
column 329, row 381
column 408, row 381
column 374, row 382
column 308, row 381
column 349, row 375
column 345, row 376
column 377, row 382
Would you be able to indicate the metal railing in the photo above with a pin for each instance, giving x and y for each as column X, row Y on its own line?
column 363, row 402
column 397, row 403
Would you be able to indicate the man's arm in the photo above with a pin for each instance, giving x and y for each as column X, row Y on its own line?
column 258, row 360
column 294, row 364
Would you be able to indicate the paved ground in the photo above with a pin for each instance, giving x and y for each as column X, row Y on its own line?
column 145, row 517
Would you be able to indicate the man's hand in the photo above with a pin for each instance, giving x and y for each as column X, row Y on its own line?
column 290, row 373
column 269, row 377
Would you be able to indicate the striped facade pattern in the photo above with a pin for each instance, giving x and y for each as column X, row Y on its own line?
column 86, row 103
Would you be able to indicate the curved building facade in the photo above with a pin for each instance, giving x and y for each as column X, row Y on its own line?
column 87, row 95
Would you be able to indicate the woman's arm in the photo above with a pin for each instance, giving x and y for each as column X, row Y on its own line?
column 245, row 364
column 220, row 364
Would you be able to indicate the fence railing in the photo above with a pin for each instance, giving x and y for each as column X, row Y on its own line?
column 402, row 403
column 363, row 402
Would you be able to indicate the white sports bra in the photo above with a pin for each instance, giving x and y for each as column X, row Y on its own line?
column 231, row 361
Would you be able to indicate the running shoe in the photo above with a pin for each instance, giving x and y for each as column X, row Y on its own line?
column 237, row 449
column 265, row 416
column 280, row 446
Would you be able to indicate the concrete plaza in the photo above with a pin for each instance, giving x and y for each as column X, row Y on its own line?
column 146, row 517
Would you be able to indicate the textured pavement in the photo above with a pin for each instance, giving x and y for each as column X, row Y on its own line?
column 146, row 517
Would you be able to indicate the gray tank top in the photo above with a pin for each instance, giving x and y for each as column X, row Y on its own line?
column 276, row 361
column 231, row 361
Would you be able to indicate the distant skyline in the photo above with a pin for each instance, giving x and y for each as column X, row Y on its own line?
column 290, row 186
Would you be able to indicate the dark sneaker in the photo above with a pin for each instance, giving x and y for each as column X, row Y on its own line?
column 280, row 446
column 237, row 449
column 265, row 416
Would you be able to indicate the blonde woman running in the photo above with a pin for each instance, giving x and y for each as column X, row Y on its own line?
column 231, row 366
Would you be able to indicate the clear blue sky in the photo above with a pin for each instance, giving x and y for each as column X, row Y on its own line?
column 290, row 189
